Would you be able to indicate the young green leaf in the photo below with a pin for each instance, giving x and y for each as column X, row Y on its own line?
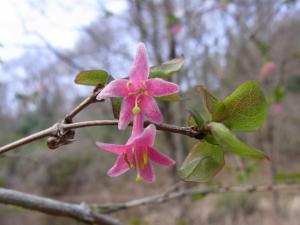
column 203, row 162
column 195, row 119
column 213, row 105
column 246, row 108
column 230, row 143
column 116, row 106
column 166, row 69
column 169, row 98
column 92, row 77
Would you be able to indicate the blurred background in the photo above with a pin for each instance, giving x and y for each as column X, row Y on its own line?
column 44, row 44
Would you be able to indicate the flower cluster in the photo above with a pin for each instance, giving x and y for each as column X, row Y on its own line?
column 138, row 103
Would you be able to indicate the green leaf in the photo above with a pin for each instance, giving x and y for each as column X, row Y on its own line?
column 202, row 163
column 247, row 171
column 210, row 139
column 116, row 106
column 278, row 93
column 166, row 69
column 213, row 105
column 246, row 107
column 197, row 196
column 230, row 143
column 172, row 19
column 169, row 98
column 195, row 119
column 283, row 177
column 92, row 77
column 262, row 47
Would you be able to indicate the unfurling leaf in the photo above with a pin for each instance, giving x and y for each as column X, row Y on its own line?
column 213, row 105
column 203, row 162
column 92, row 77
column 195, row 119
column 166, row 69
column 169, row 98
column 246, row 107
column 230, row 143
column 116, row 106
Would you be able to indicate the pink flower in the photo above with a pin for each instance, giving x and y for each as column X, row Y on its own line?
column 138, row 91
column 268, row 69
column 137, row 153
column 175, row 28
column 277, row 108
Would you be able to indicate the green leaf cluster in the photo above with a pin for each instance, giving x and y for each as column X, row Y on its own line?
column 243, row 110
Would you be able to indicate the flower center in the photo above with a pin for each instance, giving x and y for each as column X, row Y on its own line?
column 136, row 162
column 141, row 88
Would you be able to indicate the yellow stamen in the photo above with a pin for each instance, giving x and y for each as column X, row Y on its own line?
column 145, row 158
column 139, row 179
column 134, row 162
column 143, row 82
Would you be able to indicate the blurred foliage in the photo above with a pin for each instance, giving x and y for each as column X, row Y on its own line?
column 285, row 177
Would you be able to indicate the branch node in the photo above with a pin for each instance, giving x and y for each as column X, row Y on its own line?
column 61, row 137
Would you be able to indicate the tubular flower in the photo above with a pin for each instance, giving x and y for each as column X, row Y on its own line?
column 137, row 153
column 138, row 91
column 268, row 69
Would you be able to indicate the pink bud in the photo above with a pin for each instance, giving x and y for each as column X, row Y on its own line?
column 277, row 108
column 175, row 28
column 268, row 69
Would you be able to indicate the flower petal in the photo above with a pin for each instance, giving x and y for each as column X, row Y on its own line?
column 114, row 89
column 160, row 87
column 160, row 158
column 126, row 114
column 150, row 109
column 145, row 169
column 146, row 138
column 137, row 127
column 140, row 68
column 147, row 173
column 119, row 167
column 114, row 148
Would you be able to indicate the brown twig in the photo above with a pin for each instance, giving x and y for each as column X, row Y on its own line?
column 86, row 102
column 56, row 129
column 81, row 212
column 167, row 196
column 63, row 133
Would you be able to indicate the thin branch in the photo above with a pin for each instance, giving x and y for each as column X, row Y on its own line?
column 61, row 128
column 23, row 141
column 80, row 212
column 170, row 195
column 86, row 102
